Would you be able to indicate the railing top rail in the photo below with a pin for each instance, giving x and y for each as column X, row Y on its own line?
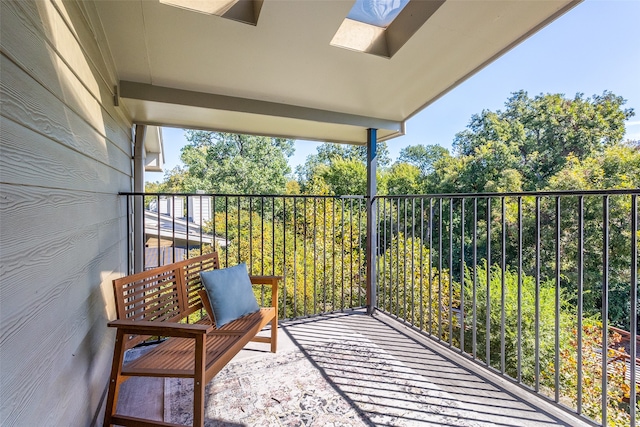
column 625, row 191
column 298, row 196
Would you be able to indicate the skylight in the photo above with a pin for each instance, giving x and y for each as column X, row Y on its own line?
column 380, row 13
column 382, row 27
column 211, row 7
column 246, row 11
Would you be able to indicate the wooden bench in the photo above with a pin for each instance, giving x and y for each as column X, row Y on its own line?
column 160, row 302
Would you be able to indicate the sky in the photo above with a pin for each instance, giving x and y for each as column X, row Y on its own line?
column 595, row 47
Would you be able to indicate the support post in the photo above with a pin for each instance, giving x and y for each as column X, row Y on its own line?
column 371, row 219
column 138, row 201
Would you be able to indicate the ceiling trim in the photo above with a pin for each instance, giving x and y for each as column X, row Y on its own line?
column 147, row 92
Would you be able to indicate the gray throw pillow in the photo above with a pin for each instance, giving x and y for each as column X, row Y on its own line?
column 230, row 293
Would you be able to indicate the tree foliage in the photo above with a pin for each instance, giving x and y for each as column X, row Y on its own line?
column 535, row 136
column 341, row 167
column 229, row 163
column 424, row 157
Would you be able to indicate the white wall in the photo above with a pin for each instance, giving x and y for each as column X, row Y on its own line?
column 65, row 152
column 200, row 209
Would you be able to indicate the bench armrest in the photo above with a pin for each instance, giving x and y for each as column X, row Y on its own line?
column 268, row 281
column 165, row 329
column 265, row 280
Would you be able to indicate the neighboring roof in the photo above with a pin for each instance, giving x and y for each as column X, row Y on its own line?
column 282, row 76
column 174, row 229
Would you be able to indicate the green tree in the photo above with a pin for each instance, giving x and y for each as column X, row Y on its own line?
column 424, row 157
column 331, row 160
column 403, row 178
column 410, row 288
column 315, row 244
column 344, row 176
column 617, row 167
column 527, row 316
column 230, row 163
column 534, row 137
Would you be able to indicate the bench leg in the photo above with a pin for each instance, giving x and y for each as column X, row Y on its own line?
column 274, row 333
column 198, row 381
column 114, row 379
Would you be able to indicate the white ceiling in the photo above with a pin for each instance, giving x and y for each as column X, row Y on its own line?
column 283, row 78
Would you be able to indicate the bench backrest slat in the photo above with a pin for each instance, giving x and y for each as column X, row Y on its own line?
column 192, row 277
column 168, row 293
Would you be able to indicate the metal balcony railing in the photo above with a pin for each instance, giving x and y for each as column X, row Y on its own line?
column 315, row 242
column 530, row 285
column 541, row 288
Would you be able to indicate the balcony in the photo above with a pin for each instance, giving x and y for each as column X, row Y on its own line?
column 351, row 369
column 515, row 297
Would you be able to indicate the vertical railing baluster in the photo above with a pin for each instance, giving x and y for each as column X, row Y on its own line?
column 462, row 275
column 343, row 257
column 488, row 289
column 537, row 298
column 633, row 323
column 304, row 255
column 261, row 236
column 398, row 260
column 238, row 260
column 503, row 288
column 251, row 235
column 159, row 231
column 350, row 251
column 450, row 271
column 557, row 306
column 173, row 227
column 226, row 228
column 474, row 266
column 284, row 259
column 262, row 290
column 201, row 228
column 404, row 264
column 360, row 258
column 351, row 248
column 390, row 264
column 439, row 269
column 295, row 258
column 315, row 255
column 413, row 274
column 430, row 266
column 130, row 234
column 333, row 254
column 421, row 282
column 324, row 256
column 580, row 300
column 383, row 219
column 519, row 326
column 605, row 303
column 273, row 241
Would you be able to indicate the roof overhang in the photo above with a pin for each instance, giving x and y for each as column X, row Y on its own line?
column 154, row 149
column 282, row 76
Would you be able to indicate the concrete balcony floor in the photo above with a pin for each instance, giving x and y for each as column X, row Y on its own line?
column 348, row 369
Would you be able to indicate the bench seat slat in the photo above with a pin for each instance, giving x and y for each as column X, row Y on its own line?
column 177, row 353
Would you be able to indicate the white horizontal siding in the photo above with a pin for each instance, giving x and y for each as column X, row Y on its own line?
column 65, row 153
